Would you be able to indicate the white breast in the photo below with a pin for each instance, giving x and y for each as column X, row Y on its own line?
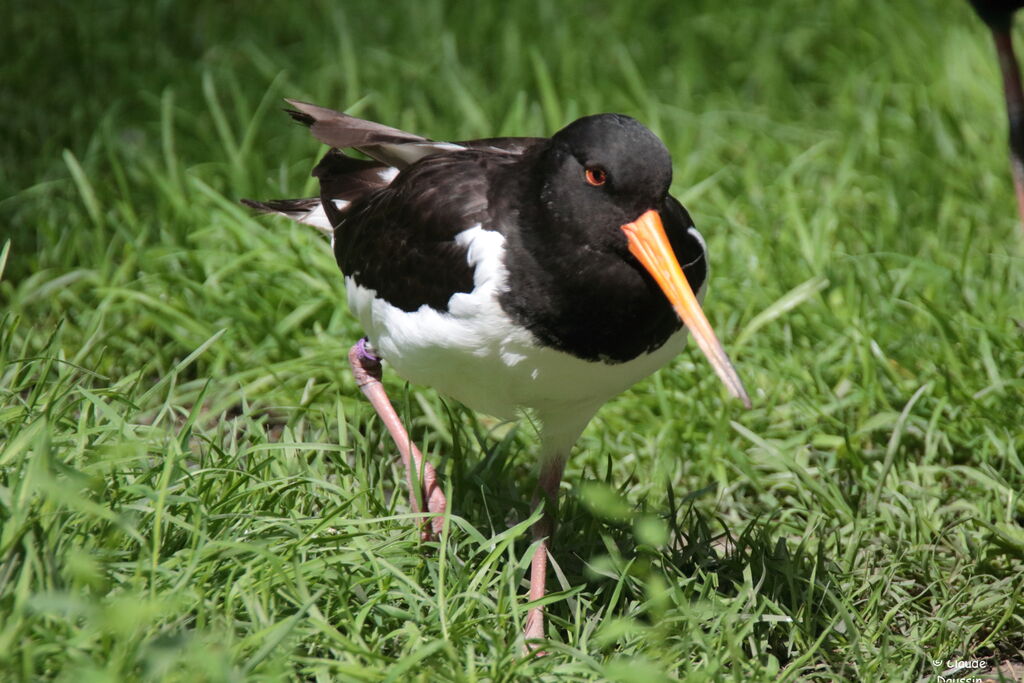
column 474, row 353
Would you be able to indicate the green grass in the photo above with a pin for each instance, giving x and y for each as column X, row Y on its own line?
column 191, row 488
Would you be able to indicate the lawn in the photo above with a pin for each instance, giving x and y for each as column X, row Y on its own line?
column 192, row 488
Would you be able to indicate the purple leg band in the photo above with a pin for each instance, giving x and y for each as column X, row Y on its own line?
column 365, row 353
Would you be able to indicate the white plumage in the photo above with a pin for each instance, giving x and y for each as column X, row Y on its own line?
column 475, row 354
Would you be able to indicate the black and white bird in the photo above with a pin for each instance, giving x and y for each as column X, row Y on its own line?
column 538, row 274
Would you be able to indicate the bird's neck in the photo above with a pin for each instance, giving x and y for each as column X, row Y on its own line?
column 593, row 303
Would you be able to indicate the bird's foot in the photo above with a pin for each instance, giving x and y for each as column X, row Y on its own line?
column 533, row 633
column 436, row 502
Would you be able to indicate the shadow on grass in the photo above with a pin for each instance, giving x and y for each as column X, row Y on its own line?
column 786, row 591
column 705, row 564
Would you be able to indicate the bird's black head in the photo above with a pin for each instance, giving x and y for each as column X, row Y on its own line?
column 604, row 204
column 601, row 172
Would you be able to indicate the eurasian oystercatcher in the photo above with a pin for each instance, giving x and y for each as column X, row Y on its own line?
column 998, row 15
column 546, row 274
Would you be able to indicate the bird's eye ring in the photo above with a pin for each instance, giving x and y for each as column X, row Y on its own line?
column 596, row 175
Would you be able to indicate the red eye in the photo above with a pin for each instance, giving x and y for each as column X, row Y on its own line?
column 596, row 176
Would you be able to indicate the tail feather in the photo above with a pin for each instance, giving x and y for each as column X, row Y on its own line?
column 308, row 211
column 345, row 177
column 343, row 180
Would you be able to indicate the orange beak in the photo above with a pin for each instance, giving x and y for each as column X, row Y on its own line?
column 650, row 246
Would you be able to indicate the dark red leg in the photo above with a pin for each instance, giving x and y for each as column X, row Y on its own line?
column 367, row 371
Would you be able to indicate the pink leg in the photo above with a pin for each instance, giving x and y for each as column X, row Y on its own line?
column 367, row 371
column 550, row 478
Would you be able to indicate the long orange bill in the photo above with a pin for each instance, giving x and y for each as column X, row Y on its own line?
column 650, row 246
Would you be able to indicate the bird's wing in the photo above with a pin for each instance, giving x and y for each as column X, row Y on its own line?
column 404, row 241
column 395, row 222
column 508, row 145
column 388, row 145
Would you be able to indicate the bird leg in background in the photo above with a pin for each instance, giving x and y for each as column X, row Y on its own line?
column 543, row 530
column 1014, row 110
column 367, row 371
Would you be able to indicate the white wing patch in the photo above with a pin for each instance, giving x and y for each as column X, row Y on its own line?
column 387, row 174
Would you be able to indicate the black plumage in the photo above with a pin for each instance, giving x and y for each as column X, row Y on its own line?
column 600, row 307
column 400, row 241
